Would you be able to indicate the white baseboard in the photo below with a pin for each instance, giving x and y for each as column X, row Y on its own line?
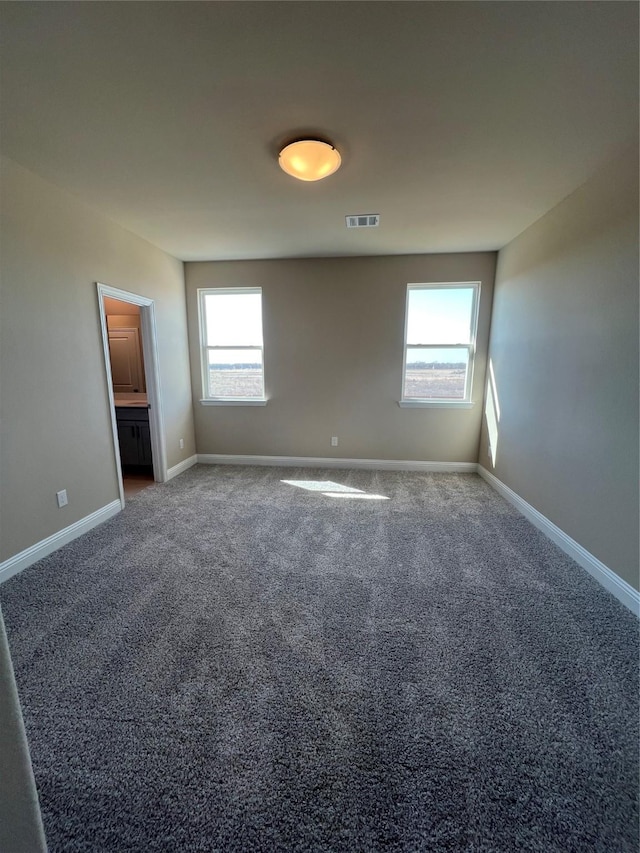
column 333, row 462
column 623, row 591
column 181, row 467
column 42, row 549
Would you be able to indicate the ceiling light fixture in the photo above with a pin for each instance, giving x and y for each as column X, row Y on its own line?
column 309, row 159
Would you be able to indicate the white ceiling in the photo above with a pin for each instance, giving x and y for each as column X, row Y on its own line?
column 459, row 123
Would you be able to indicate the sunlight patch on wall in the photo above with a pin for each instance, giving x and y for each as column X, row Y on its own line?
column 334, row 490
column 492, row 414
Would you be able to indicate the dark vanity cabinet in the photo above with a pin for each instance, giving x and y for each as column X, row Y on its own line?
column 133, row 435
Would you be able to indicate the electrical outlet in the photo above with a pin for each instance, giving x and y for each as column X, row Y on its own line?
column 334, row 441
column 62, row 498
column 182, row 444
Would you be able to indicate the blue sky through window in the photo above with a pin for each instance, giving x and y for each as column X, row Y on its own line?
column 440, row 316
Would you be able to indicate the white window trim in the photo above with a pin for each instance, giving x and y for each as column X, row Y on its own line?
column 206, row 400
column 435, row 404
column 233, row 401
column 443, row 402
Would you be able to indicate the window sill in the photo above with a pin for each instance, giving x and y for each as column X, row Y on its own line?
column 221, row 402
column 436, row 404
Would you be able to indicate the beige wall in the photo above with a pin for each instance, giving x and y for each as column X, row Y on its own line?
column 55, row 423
column 333, row 331
column 116, row 307
column 123, row 321
column 564, row 350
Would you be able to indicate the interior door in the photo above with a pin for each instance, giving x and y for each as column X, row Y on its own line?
column 126, row 364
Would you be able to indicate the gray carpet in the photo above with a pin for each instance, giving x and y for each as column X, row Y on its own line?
column 238, row 664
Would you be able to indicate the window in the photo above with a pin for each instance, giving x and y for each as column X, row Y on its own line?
column 439, row 345
column 231, row 344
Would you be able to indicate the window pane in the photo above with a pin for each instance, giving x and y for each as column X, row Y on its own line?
column 436, row 374
column 235, row 373
column 440, row 315
column 233, row 319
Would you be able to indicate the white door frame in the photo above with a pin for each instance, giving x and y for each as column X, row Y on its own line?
column 152, row 376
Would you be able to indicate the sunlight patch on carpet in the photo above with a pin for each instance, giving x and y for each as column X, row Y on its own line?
column 334, row 490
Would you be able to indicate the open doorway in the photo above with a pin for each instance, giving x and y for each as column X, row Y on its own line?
column 129, row 341
column 129, row 394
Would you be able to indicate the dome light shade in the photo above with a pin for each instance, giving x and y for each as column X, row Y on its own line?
column 309, row 159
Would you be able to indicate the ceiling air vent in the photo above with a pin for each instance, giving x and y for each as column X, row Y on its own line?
column 363, row 220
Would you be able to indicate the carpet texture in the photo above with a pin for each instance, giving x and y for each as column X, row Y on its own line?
column 235, row 663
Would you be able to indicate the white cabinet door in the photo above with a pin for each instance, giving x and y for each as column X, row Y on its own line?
column 126, row 364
